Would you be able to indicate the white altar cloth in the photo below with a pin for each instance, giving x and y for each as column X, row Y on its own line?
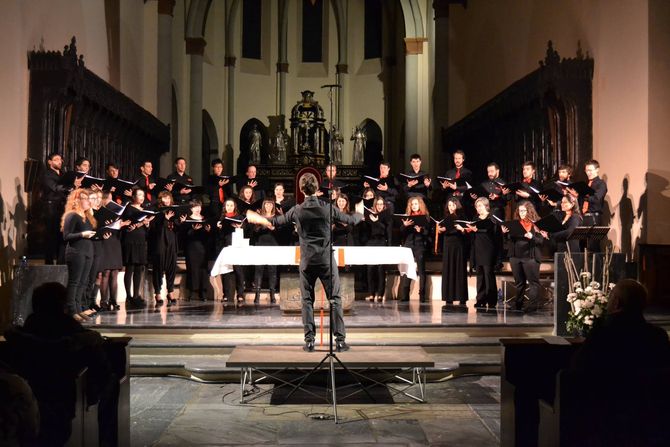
column 287, row 255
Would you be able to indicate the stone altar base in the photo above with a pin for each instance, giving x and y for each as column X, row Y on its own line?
column 291, row 302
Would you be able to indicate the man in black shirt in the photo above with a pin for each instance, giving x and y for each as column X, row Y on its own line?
column 147, row 182
column 386, row 187
column 218, row 189
column 416, row 187
column 530, row 186
column 458, row 172
column 54, row 194
column 250, row 179
column 181, row 194
column 316, row 257
column 592, row 205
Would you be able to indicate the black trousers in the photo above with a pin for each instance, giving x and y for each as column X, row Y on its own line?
column 78, row 268
column 376, row 280
column 196, row 268
column 487, row 291
column 53, row 238
column 164, row 263
column 328, row 277
column 233, row 283
column 406, row 283
column 526, row 273
column 272, row 276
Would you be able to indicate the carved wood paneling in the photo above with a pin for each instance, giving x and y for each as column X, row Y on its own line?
column 76, row 113
column 544, row 117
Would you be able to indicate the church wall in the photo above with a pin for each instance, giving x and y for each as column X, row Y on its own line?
column 493, row 44
column 27, row 25
column 658, row 178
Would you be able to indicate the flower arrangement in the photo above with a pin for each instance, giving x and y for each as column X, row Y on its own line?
column 587, row 297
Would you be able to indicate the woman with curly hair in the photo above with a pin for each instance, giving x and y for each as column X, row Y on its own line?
column 416, row 236
column 78, row 227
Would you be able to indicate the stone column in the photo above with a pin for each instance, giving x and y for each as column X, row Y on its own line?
column 441, row 87
column 342, row 79
column 164, row 62
column 282, row 57
column 413, row 48
column 229, row 63
column 195, row 47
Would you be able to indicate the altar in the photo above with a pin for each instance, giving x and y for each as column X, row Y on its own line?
column 290, row 299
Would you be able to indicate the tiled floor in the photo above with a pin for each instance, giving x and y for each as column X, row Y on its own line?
column 213, row 314
column 176, row 412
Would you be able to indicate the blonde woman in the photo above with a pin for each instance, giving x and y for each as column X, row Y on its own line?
column 78, row 227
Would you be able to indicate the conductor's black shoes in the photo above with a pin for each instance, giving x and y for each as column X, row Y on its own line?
column 342, row 346
column 309, row 346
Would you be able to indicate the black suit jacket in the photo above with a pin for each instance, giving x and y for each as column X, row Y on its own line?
column 596, row 200
column 313, row 224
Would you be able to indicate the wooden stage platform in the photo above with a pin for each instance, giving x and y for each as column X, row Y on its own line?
column 400, row 369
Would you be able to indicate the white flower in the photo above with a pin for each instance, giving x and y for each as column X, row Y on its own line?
column 578, row 306
column 571, row 297
column 577, row 284
column 587, row 304
column 586, row 274
column 595, row 284
column 588, row 321
column 588, row 290
column 579, row 290
column 611, row 285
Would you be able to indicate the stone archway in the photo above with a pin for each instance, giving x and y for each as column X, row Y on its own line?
column 210, row 142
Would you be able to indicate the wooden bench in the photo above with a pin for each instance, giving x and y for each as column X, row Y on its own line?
column 623, row 408
column 529, row 368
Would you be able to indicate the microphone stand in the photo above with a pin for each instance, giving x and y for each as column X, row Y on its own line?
column 331, row 357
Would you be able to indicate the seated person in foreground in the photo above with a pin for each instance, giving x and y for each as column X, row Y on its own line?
column 54, row 333
column 624, row 340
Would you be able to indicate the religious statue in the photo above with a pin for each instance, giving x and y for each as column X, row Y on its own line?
column 308, row 133
column 254, row 145
column 336, row 141
column 280, row 145
column 359, row 139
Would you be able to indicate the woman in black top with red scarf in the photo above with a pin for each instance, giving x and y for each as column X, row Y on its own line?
column 525, row 256
column 378, row 226
column 163, row 243
column 231, row 219
column 415, row 236
column 264, row 237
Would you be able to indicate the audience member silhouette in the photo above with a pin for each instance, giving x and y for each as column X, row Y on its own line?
column 624, row 339
column 49, row 351
column 19, row 415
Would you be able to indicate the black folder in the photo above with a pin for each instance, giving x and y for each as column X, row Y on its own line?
column 550, row 224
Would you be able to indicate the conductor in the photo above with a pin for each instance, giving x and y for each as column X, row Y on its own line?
column 316, row 257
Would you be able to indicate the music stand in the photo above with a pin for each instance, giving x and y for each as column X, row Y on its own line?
column 593, row 232
column 330, row 358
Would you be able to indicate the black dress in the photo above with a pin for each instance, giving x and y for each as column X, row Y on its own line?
column 483, row 256
column 417, row 241
column 378, row 235
column 265, row 237
column 233, row 282
column 197, row 242
column 163, row 252
column 524, row 258
column 135, row 245
column 454, row 263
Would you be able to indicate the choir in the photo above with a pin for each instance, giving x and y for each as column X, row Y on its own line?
column 108, row 224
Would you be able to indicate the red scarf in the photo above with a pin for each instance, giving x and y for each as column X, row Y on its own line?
column 527, row 224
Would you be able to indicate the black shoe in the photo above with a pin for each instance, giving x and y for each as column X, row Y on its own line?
column 95, row 307
column 342, row 346
column 309, row 346
column 257, row 297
